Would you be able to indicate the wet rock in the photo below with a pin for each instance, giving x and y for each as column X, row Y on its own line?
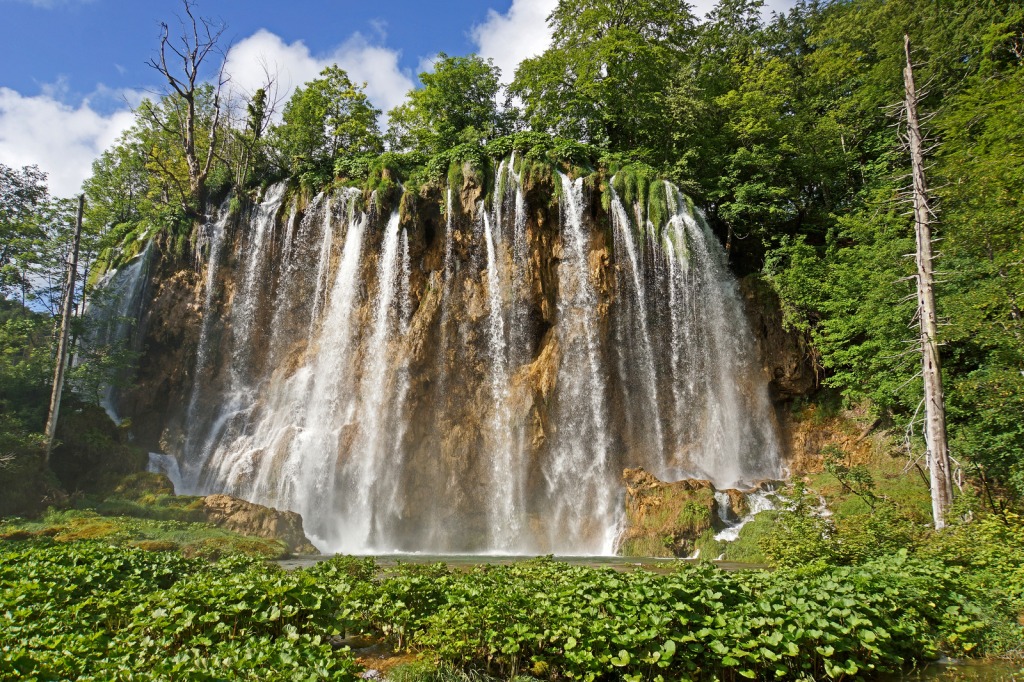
column 785, row 354
column 247, row 518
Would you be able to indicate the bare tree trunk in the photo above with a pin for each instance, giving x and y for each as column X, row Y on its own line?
column 935, row 410
column 199, row 37
column 65, row 326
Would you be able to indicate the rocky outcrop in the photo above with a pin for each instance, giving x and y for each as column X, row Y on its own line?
column 665, row 519
column 673, row 519
column 810, row 431
column 785, row 354
column 256, row 520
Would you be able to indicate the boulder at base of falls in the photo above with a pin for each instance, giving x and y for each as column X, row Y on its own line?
column 665, row 519
column 247, row 518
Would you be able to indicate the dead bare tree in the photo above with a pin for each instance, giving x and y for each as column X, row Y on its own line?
column 67, row 307
column 934, row 402
column 197, row 42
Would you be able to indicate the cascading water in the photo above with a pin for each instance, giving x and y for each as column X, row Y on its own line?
column 633, row 336
column 716, row 383
column 581, row 490
column 475, row 385
column 113, row 312
column 212, row 242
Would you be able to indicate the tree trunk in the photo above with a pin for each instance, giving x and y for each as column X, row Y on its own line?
column 65, row 326
column 935, row 410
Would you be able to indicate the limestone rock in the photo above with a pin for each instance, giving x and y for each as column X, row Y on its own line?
column 665, row 519
column 255, row 519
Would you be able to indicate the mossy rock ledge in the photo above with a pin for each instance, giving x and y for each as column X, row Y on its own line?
column 668, row 519
column 247, row 518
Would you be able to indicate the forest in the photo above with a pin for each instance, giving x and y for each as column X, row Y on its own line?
column 790, row 135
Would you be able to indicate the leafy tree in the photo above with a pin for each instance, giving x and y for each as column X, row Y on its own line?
column 604, row 77
column 457, row 104
column 980, row 162
column 158, row 131
column 757, row 147
column 328, row 117
column 23, row 193
column 971, row 59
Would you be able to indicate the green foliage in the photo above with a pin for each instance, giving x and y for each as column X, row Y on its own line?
column 23, row 200
column 89, row 611
column 603, row 79
column 801, row 535
column 92, row 455
column 456, row 105
column 27, row 482
column 991, row 548
column 328, row 118
column 697, row 622
column 746, row 548
column 85, row 610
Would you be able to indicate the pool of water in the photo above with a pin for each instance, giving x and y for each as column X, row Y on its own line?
column 965, row 671
column 459, row 561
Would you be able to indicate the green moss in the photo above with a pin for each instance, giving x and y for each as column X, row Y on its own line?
column 651, row 545
column 667, row 520
column 747, row 547
column 407, row 207
column 709, row 548
column 455, row 177
column 194, row 539
column 657, row 205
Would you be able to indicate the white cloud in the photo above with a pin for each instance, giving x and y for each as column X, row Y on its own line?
column 63, row 140
column 427, row 64
column 523, row 32
column 519, row 34
column 386, row 82
column 60, row 139
column 251, row 59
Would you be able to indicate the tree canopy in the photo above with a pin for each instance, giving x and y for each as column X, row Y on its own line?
column 328, row 117
column 457, row 104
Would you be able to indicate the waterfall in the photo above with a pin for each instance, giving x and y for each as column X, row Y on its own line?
column 112, row 313
column 474, row 384
column 505, row 509
column 581, row 491
column 634, row 338
column 716, row 383
column 212, row 241
column 370, row 501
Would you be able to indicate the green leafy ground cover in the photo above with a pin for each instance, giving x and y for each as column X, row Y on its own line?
column 95, row 611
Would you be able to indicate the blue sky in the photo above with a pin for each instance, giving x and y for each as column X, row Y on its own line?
column 85, row 42
column 72, row 68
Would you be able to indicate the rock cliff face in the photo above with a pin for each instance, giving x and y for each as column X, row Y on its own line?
column 785, row 354
column 469, row 369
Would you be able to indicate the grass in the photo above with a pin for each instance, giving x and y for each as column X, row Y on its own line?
column 192, row 539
